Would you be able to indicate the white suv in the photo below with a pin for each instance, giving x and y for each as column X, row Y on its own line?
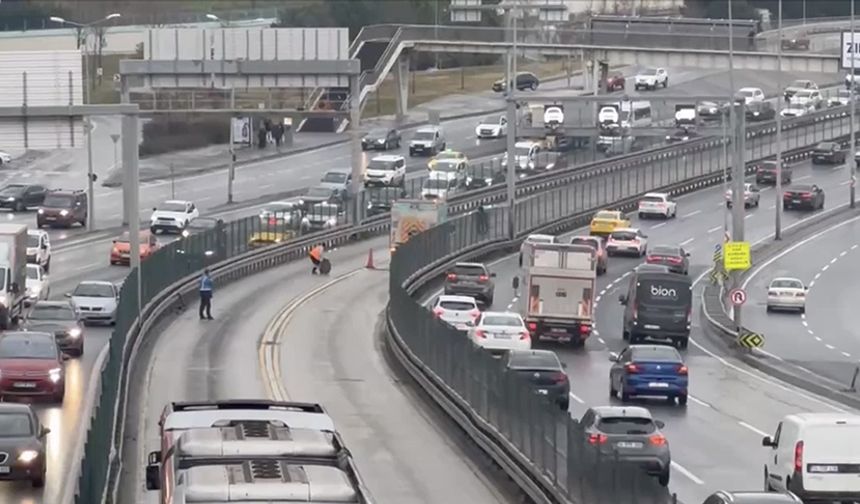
column 388, row 170
column 39, row 248
column 651, row 78
column 658, row 204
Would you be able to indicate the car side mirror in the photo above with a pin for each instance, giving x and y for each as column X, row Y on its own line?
column 154, row 209
column 44, row 432
column 687, row 254
column 767, row 441
column 622, row 299
column 65, row 357
column 613, row 357
column 68, row 294
column 660, row 424
column 564, row 365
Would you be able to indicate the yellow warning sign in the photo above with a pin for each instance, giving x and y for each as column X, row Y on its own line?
column 736, row 256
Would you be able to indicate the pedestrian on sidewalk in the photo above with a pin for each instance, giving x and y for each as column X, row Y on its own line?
column 278, row 133
column 206, row 296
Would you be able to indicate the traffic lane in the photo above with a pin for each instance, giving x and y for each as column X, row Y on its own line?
column 402, row 447
column 822, row 339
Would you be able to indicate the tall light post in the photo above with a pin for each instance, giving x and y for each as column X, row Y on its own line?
column 88, row 126
column 738, row 168
column 852, row 142
column 777, row 231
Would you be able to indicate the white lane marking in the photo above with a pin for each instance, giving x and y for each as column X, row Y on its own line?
column 854, row 246
column 804, row 177
column 597, row 299
column 810, row 332
column 697, row 212
column 846, row 354
column 804, row 323
column 715, row 229
column 771, row 207
column 834, row 260
column 689, row 240
column 699, row 401
column 515, row 299
column 817, row 338
column 510, row 306
column 825, row 267
column 845, row 183
column 811, row 284
column 753, row 428
column 830, row 347
column 576, row 398
column 681, row 469
column 602, row 342
column 843, row 253
column 803, row 315
column 748, row 216
column 655, row 226
column 817, row 276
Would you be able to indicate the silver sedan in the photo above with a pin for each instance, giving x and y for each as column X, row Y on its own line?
column 786, row 294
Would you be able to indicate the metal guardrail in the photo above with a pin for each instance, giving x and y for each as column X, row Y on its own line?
column 170, row 274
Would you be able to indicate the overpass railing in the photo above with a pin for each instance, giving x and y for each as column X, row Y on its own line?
column 171, row 275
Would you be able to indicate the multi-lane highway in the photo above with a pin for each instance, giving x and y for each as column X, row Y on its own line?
column 824, row 339
column 88, row 259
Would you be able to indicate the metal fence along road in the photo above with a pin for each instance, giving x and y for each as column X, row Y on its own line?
column 567, row 198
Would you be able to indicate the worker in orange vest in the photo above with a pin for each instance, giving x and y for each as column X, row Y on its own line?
column 316, row 254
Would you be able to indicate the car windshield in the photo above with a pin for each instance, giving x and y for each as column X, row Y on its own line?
column 623, row 235
column 490, row 120
column 746, row 93
column 501, row 320
column 14, row 425
column 533, row 360
column 606, row 215
column 787, row 284
column 57, row 201
column 378, row 133
column 436, row 183
column 27, row 348
column 825, row 146
column 584, row 241
column 799, row 83
column 448, row 155
column 447, row 166
column 12, row 189
column 93, row 290
column 649, row 71
column 377, row 164
column 33, row 271
column 51, row 312
column 656, row 353
column 653, row 199
column 465, row 270
column 203, row 224
column 171, row 207
column 425, row 135
column 323, row 209
column 626, row 425
column 319, row 192
column 457, row 305
column 32, row 240
column 336, row 177
column 803, row 94
column 661, row 250
column 522, row 151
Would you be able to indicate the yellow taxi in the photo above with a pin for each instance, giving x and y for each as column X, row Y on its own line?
column 605, row 222
column 266, row 238
column 447, row 155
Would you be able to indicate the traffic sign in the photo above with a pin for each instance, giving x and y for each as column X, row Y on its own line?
column 750, row 340
column 736, row 256
column 717, row 275
column 738, row 296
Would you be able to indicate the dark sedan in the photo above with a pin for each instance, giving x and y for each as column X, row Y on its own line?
column 525, row 80
column 681, row 135
column 544, row 371
column 675, row 258
column 708, row 110
column 381, row 139
column 829, row 153
column 806, row 197
column 380, row 199
column 22, row 435
column 58, row 318
column 615, row 82
column 765, row 173
column 20, row 197
column 649, row 370
column 478, row 177
column 760, row 111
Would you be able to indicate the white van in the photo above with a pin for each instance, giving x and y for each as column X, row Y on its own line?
column 815, row 456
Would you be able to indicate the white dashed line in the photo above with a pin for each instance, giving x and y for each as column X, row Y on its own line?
column 804, row 323
column 825, row 267
column 515, row 299
column 699, row 402
column 830, row 347
column 771, row 207
column 810, row 332
column 655, row 226
column 811, row 284
column 843, row 253
column 803, row 315
column 817, row 276
column 597, row 299
column 715, row 229
column 845, row 183
column 689, row 240
column 697, row 212
column 846, row 354
column 748, row 216
column 817, row 338
column 681, row 469
column 854, row 246
column 804, row 177
column 576, row 398
column 832, row 261
column 601, row 341
column 753, row 428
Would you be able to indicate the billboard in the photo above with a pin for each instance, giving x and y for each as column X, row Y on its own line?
column 850, row 49
column 241, row 129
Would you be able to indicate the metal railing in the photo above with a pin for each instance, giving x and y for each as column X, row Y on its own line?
column 230, row 252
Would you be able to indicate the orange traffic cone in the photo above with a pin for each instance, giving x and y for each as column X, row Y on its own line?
column 369, row 264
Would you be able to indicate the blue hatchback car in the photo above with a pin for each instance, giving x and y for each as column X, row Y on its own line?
column 649, row 370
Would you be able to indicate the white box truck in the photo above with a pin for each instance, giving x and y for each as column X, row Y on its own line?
column 558, row 292
column 410, row 217
column 13, row 272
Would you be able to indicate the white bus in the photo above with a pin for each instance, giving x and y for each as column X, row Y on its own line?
column 635, row 114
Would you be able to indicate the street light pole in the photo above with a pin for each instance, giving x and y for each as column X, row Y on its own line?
column 777, row 232
column 512, row 130
column 852, row 142
column 731, row 112
column 738, row 169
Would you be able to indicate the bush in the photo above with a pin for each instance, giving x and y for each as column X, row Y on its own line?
column 170, row 133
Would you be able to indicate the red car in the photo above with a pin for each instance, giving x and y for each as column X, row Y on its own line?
column 31, row 365
column 615, row 82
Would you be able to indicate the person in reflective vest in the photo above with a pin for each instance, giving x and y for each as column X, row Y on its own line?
column 316, row 257
column 206, row 296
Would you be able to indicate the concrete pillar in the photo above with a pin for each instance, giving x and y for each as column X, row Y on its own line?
column 401, row 85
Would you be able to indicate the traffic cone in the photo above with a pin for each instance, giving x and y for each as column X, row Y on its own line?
column 369, row 264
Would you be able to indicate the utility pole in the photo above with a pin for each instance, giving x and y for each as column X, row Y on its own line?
column 777, row 232
column 852, row 143
column 732, row 91
column 738, row 175
column 512, row 129
column 231, row 171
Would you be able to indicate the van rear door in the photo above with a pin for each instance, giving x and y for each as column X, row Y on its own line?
column 663, row 304
column 831, row 458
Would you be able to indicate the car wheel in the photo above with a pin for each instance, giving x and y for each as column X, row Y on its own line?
column 666, row 83
column 564, row 404
column 533, row 86
column 19, row 206
column 625, row 397
column 39, row 481
column 59, row 395
column 682, row 344
column 682, row 399
column 48, row 265
column 641, row 216
column 612, row 392
column 663, row 478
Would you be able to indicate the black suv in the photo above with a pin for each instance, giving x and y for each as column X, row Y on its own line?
column 760, row 111
column 19, row 197
column 471, row 279
column 63, row 208
column 544, row 371
column 525, row 80
column 765, row 173
column 828, row 152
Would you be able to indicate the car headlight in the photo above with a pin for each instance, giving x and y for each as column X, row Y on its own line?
column 74, row 332
column 369, row 205
column 64, row 212
column 381, row 140
column 41, row 212
column 488, row 180
column 28, row 456
column 331, row 222
column 755, row 113
column 185, row 233
column 305, row 221
column 55, row 374
column 10, row 198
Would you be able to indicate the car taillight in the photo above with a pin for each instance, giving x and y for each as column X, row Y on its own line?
column 559, row 377
column 452, row 277
column 798, row 456
column 675, row 260
column 524, row 335
column 682, row 370
column 584, row 329
column 806, row 196
column 650, row 259
column 483, row 278
column 480, row 333
column 631, row 368
column 657, row 440
column 273, row 221
column 116, row 250
column 597, row 439
column 475, row 313
column 532, row 326
column 437, row 312
column 772, row 293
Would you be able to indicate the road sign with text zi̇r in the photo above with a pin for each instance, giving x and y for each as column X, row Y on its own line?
column 736, row 256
